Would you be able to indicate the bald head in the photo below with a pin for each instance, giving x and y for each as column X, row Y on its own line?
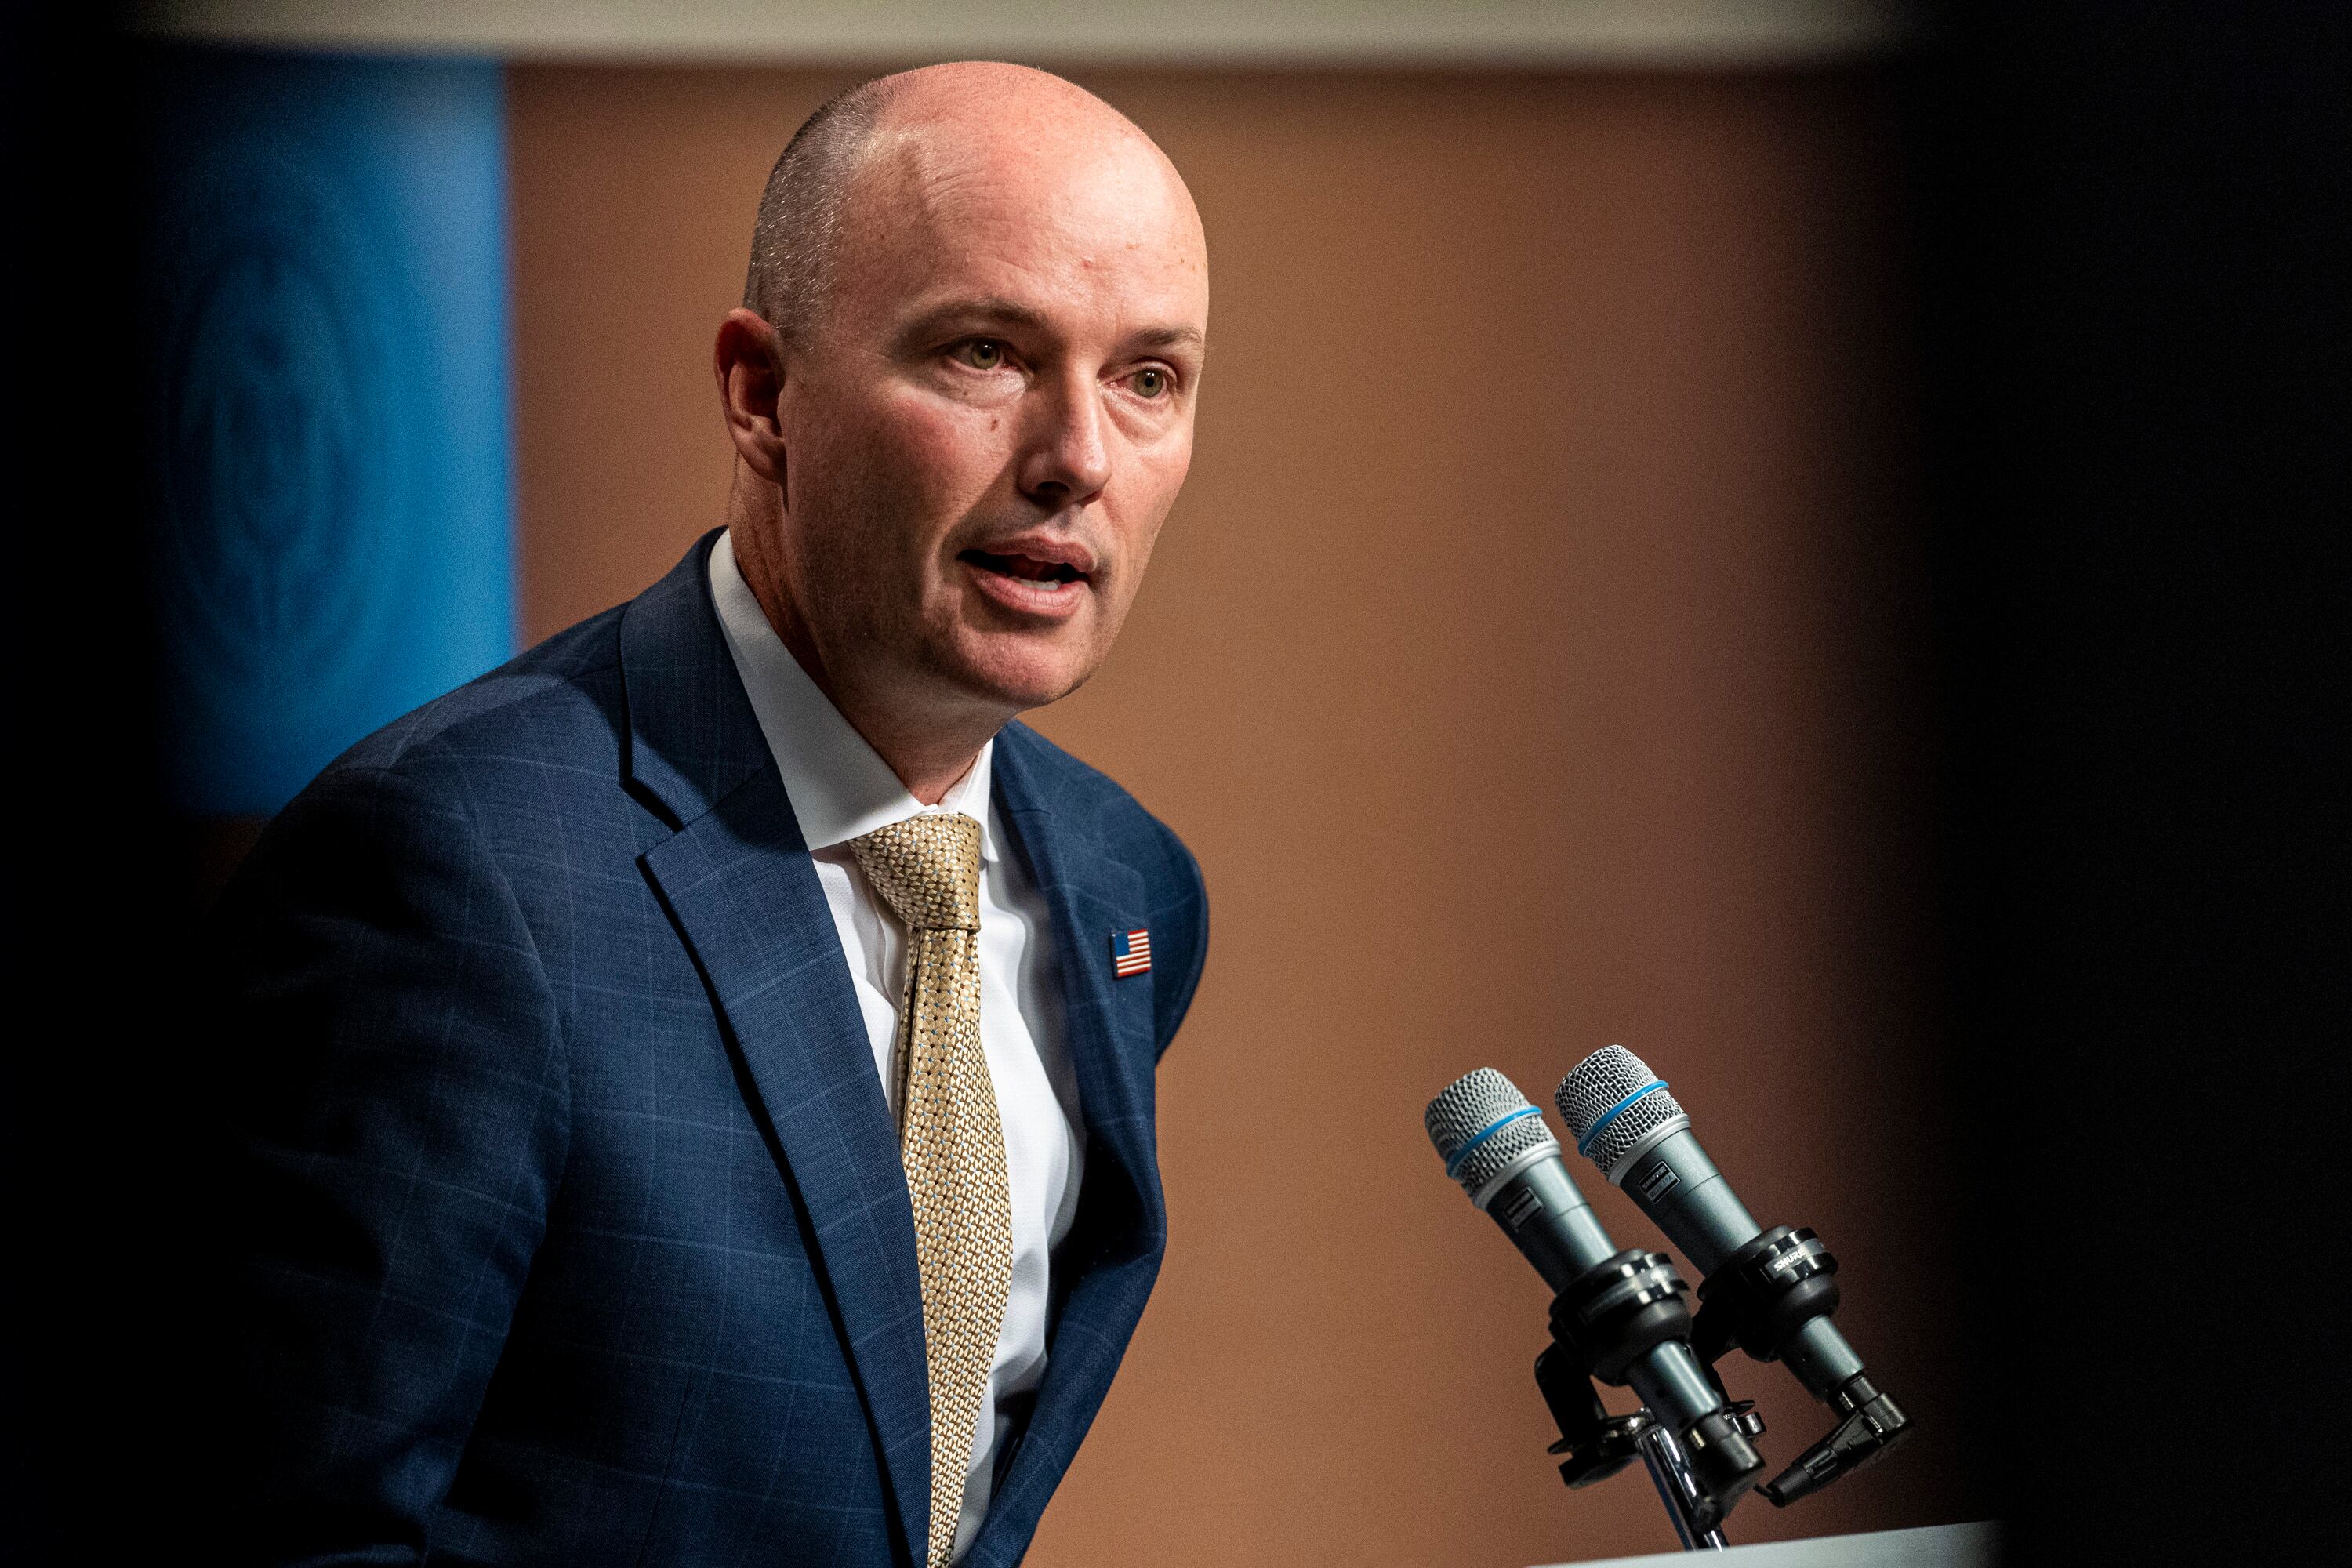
column 962, row 397
column 936, row 126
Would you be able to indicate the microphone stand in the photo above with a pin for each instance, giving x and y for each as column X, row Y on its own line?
column 1757, row 1300
column 1598, row 1444
column 1670, row 1472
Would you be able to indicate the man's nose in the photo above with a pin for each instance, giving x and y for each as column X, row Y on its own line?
column 1067, row 460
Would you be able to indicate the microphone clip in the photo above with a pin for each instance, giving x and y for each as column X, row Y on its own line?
column 1596, row 1443
column 1602, row 1323
column 1763, row 1293
column 1757, row 1300
column 1620, row 1311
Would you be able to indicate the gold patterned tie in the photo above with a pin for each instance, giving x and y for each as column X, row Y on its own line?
column 927, row 869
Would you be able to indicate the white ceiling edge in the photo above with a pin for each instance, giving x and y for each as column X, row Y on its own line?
column 1467, row 33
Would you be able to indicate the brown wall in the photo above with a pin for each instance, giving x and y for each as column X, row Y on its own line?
column 1524, row 662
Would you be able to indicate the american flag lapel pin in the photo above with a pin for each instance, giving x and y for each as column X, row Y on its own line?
column 1130, row 952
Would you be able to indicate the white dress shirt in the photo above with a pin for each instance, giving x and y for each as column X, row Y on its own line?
column 840, row 788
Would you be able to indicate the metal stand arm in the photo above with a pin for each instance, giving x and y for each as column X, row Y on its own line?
column 1686, row 1502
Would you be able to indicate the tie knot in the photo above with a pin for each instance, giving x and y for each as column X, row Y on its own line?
column 927, row 869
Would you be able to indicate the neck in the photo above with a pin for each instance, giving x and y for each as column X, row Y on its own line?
column 930, row 738
column 928, row 761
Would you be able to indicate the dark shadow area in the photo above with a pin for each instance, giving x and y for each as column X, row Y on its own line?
column 2136, row 328
column 109, row 1424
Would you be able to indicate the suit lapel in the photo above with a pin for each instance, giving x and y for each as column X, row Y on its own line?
column 737, row 882
column 1107, row 1021
column 1113, row 1251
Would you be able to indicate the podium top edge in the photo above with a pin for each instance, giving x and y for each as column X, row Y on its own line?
column 1973, row 1545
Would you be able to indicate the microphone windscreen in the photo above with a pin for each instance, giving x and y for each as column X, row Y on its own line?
column 1612, row 1101
column 1480, row 1125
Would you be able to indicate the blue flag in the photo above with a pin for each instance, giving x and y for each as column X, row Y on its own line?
column 330, row 430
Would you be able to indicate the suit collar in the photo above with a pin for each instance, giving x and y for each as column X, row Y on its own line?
column 1091, row 896
column 692, row 739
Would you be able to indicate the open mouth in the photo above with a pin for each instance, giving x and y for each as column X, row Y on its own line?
column 1026, row 568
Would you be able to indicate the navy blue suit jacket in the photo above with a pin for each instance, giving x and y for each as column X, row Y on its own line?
column 570, row 1226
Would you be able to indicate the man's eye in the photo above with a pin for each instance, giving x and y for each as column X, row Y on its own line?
column 982, row 353
column 1151, row 382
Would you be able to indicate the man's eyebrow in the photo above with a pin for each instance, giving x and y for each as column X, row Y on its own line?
column 1001, row 312
column 1170, row 338
column 994, row 312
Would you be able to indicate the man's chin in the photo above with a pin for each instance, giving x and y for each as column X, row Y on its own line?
column 1022, row 672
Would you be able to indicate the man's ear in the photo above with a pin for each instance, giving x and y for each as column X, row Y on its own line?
column 750, row 361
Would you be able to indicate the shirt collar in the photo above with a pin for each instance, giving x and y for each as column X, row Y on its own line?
column 839, row 786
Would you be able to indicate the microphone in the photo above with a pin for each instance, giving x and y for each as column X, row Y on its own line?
column 1621, row 1312
column 1770, row 1291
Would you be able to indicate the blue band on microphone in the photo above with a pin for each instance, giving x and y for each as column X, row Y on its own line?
column 1584, row 1145
column 1463, row 1152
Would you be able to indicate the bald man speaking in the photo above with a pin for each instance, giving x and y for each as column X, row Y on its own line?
column 695, row 1084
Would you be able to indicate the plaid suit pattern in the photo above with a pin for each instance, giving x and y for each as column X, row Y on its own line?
column 572, row 1223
